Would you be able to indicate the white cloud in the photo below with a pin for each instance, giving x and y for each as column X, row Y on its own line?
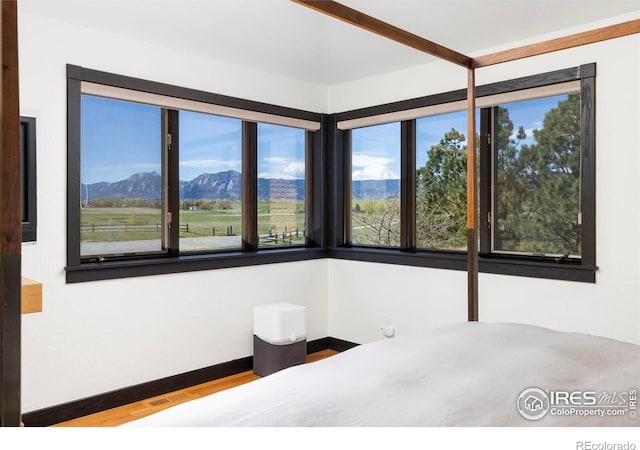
column 374, row 172
column 276, row 159
column 362, row 160
column 293, row 171
column 213, row 163
column 371, row 168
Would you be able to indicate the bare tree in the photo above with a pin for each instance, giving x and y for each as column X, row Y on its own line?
column 376, row 223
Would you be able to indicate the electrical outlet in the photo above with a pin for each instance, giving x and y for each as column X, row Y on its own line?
column 388, row 330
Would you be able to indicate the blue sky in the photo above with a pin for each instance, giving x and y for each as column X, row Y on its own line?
column 209, row 144
column 281, row 152
column 530, row 114
column 375, row 152
column 431, row 130
column 120, row 139
column 376, row 149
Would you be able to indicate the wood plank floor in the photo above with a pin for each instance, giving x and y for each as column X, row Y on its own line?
column 127, row 413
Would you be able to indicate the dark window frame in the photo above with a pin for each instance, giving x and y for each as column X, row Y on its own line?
column 520, row 265
column 28, row 178
column 80, row 269
column 328, row 190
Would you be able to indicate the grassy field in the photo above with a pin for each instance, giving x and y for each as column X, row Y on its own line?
column 221, row 222
column 136, row 223
column 116, row 224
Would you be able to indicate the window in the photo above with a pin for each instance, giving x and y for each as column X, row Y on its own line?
column 28, row 177
column 536, row 184
column 536, row 177
column 441, row 182
column 281, row 185
column 121, row 197
column 164, row 179
column 375, row 185
column 210, row 182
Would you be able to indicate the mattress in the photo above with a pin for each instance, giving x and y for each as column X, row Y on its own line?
column 468, row 374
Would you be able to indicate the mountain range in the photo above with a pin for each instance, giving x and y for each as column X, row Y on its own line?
column 226, row 186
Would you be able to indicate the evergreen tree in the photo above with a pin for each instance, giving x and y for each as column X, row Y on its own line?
column 539, row 184
column 511, row 184
column 537, row 187
column 441, row 203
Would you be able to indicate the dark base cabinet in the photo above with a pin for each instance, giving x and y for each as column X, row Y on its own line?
column 269, row 358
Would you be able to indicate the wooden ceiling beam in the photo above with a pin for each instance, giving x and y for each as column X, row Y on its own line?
column 366, row 22
column 562, row 43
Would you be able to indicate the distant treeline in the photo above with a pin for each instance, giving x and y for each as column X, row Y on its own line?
column 123, row 202
column 207, row 205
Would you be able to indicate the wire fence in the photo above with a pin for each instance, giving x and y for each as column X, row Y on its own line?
column 273, row 237
column 286, row 237
column 157, row 227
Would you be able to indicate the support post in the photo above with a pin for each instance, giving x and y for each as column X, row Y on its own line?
column 472, row 201
column 10, row 220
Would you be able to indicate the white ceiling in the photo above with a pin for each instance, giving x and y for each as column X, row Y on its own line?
column 281, row 37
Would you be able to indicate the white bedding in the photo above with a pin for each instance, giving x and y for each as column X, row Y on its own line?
column 468, row 374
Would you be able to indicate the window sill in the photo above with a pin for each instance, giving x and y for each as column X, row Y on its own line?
column 568, row 271
column 189, row 263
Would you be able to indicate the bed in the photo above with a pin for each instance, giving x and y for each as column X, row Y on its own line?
column 468, row 374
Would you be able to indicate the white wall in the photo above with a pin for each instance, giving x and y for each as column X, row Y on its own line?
column 361, row 295
column 365, row 296
column 99, row 336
